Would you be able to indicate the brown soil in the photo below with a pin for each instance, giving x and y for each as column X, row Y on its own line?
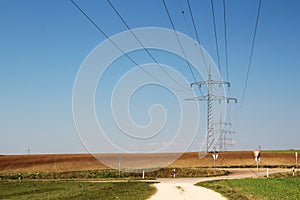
column 236, row 158
column 78, row 162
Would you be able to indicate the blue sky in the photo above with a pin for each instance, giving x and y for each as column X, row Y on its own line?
column 43, row 44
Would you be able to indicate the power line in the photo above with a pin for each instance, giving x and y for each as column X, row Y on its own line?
column 180, row 45
column 142, row 45
column 215, row 31
column 225, row 39
column 191, row 34
column 185, row 19
column 251, row 51
column 210, row 97
column 211, row 138
column 197, row 36
column 103, row 33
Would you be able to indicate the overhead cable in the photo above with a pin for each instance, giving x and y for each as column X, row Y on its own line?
column 251, row 51
column 123, row 52
column 142, row 45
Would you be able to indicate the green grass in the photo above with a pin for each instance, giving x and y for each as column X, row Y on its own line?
column 75, row 190
column 254, row 166
column 262, row 188
column 285, row 175
column 282, row 151
column 114, row 174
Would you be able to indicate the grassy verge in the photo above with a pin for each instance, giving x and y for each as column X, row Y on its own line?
column 282, row 151
column 112, row 173
column 75, row 190
column 285, row 175
column 259, row 189
column 254, row 166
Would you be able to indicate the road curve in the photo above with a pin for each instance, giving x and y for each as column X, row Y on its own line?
column 184, row 188
column 179, row 190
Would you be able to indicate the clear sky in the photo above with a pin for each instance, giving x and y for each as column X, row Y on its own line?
column 43, row 43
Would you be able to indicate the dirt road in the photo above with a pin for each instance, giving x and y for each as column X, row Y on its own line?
column 184, row 188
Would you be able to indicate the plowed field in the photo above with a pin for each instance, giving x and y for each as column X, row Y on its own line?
column 78, row 162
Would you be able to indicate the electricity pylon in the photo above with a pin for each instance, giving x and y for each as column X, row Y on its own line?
column 209, row 98
column 224, row 130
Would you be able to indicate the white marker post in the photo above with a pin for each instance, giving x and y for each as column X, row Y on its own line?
column 120, row 166
column 296, row 154
column 215, row 156
column 257, row 158
column 143, row 177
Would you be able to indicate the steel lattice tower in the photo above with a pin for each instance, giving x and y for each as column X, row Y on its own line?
column 224, row 130
column 210, row 98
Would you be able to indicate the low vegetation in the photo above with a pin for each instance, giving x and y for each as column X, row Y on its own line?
column 260, row 166
column 75, row 190
column 282, row 151
column 285, row 175
column 113, row 174
column 257, row 188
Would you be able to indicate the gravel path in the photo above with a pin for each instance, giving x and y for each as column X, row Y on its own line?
column 184, row 188
column 179, row 190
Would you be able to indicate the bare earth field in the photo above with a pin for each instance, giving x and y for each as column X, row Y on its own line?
column 78, row 162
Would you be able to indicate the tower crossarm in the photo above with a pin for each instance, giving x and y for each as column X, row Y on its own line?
column 222, row 98
column 211, row 82
column 211, row 137
column 226, row 131
column 201, row 98
column 213, row 98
